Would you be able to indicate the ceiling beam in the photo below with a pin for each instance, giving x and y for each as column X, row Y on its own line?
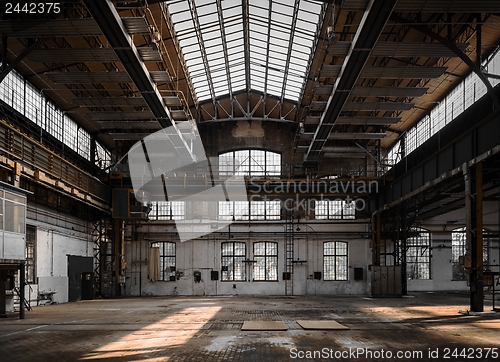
column 113, row 28
column 374, row 19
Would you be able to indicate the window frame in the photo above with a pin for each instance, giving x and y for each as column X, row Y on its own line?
column 422, row 256
column 338, row 261
column 235, row 260
column 165, row 254
column 268, row 273
column 175, row 210
column 330, row 210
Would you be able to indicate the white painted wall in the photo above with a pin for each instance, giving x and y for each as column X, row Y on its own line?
column 12, row 246
column 441, row 268
column 204, row 255
column 57, row 236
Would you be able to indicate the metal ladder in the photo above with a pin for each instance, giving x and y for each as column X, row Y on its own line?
column 289, row 246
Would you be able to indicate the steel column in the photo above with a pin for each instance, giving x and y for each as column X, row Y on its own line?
column 476, row 236
column 22, row 283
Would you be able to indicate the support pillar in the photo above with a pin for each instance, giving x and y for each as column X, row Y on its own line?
column 474, row 226
column 117, row 254
column 3, row 297
column 22, row 284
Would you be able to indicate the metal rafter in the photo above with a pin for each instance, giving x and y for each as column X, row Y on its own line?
column 246, row 47
column 201, row 44
column 224, row 47
column 290, row 44
column 114, row 30
column 372, row 24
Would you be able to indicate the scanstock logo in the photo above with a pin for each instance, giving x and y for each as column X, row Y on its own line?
column 162, row 169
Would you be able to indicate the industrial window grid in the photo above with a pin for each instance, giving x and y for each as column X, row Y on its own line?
column 335, row 261
column 418, row 255
column 457, row 101
column 71, row 133
column 53, row 123
column 33, row 104
column 167, row 210
column 233, row 256
column 265, row 254
column 250, row 162
column 280, row 40
column 167, row 259
column 459, row 248
column 20, row 94
column 30, row 254
column 334, row 210
column 250, row 210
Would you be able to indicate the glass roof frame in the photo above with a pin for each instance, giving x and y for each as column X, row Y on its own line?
column 248, row 45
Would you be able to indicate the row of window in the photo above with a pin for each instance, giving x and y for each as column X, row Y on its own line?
column 458, row 100
column 418, row 255
column 264, row 265
column 25, row 98
column 253, row 210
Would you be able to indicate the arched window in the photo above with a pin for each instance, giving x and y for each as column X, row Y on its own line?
column 250, row 162
column 418, row 254
column 335, row 260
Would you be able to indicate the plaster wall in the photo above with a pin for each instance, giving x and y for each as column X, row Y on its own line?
column 204, row 255
column 57, row 236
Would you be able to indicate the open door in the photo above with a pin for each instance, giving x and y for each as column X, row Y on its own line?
column 79, row 267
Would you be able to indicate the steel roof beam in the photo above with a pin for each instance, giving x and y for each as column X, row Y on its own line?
column 112, row 27
column 376, row 16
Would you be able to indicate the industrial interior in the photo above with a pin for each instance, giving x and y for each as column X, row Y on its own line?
column 173, row 170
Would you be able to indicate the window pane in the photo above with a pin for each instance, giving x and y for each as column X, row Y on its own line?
column 335, row 260
column 15, row 217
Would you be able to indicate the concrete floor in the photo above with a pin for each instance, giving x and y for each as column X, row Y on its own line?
column 208, row 329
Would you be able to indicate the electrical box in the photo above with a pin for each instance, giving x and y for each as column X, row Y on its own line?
column 287, row 276
column 358, row 274
column 214, row 275
column 317, row 275
column 197, row 276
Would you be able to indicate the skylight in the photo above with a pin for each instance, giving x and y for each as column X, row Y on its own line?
column 280, row 40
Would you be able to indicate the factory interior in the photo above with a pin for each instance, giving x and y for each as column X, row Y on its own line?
column 261, row 180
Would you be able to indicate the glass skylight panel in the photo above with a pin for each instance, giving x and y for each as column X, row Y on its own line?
column 276, row 65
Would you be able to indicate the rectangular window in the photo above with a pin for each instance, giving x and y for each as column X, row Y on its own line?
column 15, row 213
column 418, row 256
column 250, row 210
column 265, row 255
column 335, row 258
column 167, row 210
column 335, row 210
column 34, row 104
column 167, row 260
column 30, row 254
column 232, row 261
column 458, row 250
column 83, row 143
column 70, row 133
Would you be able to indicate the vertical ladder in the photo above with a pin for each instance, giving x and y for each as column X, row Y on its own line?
column 289, row 241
